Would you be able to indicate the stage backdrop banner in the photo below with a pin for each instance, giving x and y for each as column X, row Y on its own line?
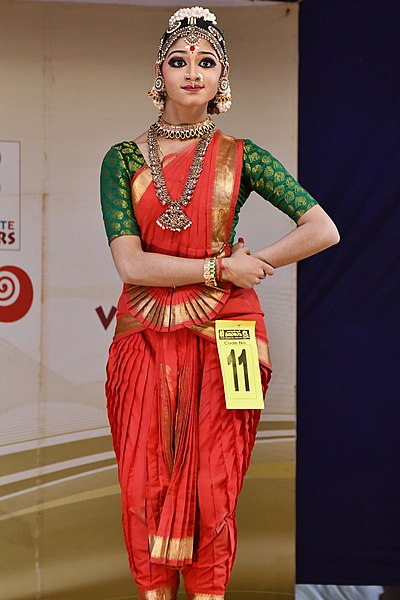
column 74, row 82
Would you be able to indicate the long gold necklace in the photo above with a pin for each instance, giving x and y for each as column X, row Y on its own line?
column 184, row 131
column 174, row 218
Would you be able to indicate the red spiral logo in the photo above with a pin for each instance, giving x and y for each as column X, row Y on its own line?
column 16, row 294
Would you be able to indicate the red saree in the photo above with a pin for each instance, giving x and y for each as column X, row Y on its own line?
column 181, row 454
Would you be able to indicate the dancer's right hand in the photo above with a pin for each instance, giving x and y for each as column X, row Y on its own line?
column 244, row 270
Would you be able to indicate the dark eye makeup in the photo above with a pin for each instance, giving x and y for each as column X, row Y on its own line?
column 178, row 62
column 207, row 63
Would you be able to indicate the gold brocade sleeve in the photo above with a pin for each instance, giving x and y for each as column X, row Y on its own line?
column 118, row 167
column 264, row 174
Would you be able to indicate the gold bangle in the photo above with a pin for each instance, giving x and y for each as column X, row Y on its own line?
column 210, row 270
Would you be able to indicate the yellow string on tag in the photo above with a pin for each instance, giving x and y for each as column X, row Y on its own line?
column 238, row 356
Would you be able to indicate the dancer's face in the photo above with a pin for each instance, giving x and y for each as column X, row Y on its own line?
column 191, row 78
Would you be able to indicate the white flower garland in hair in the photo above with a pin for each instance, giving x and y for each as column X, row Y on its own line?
column 196, row 11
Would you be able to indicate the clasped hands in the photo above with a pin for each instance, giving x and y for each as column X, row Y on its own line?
column 244, row 270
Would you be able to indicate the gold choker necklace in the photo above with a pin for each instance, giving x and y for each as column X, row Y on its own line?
column 185, row 131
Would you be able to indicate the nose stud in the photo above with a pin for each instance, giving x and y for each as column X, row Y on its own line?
column 199, row 76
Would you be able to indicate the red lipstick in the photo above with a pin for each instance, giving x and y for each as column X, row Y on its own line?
column 189, row 88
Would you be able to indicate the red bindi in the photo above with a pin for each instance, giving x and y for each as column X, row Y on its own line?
column 192, row 48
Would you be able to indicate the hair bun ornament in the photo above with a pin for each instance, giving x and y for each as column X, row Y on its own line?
column 198, row 12
column 192, row 24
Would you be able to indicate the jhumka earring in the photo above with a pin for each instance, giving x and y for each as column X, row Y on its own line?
column 157, row 93
column 223, row 98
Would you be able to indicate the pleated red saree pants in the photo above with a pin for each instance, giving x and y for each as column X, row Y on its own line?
column 182, row 457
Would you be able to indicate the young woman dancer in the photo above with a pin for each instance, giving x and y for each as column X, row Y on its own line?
column 171, row 200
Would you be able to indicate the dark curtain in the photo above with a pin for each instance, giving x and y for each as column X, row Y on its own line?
column 348, row 402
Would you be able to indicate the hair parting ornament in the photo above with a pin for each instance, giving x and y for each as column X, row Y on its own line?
column 192, row 24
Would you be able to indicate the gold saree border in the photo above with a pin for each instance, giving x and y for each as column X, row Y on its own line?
column 223, row 203
column 166, row 417
column 205, row 596
column 170, row 423
column 263, row 353
column 158, row 311
column 164, row 593
column 127, row 324
column 142, row 179
column 173, row 549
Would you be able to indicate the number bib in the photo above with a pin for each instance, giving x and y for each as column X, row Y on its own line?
column 238, row 356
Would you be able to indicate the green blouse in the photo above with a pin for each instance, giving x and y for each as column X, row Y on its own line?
column 261, row 173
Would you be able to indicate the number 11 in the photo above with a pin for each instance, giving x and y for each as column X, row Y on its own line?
column 231, row 358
